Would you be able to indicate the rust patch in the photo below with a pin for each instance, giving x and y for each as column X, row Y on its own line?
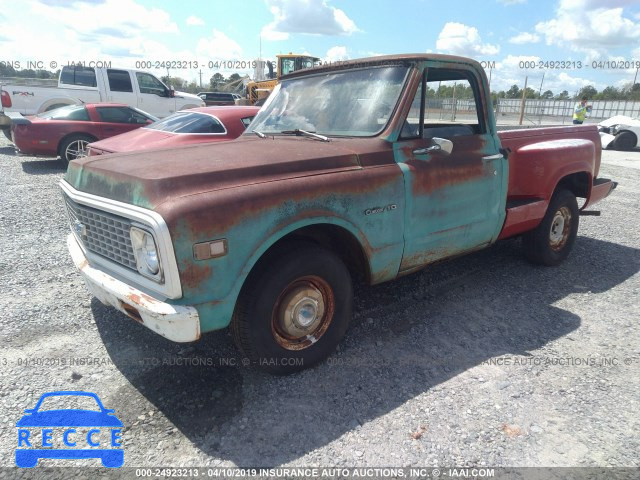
column 236, row 206
column 193, row 275
column 132, row 312
column 437, row 171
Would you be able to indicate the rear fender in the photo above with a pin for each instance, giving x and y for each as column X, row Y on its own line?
column 538, row 168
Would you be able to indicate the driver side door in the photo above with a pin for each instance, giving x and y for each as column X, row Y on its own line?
column 455, row 201
column 153, row 96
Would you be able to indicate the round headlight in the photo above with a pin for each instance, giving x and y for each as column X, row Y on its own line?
column 150, row 255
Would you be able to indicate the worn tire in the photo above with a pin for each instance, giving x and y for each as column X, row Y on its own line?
column 306, row 283
column 71, row 147
column 552, row 240
column 624, row 141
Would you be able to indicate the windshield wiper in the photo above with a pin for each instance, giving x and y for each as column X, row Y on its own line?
column 299, row 132
column 260, row 134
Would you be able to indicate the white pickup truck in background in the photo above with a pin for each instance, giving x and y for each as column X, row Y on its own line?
column 78, row 84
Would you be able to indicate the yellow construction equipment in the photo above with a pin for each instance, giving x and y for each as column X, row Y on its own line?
column 286, row 64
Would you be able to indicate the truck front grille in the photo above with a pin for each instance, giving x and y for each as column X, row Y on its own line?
column 102, row 233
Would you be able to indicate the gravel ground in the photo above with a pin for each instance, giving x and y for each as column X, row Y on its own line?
column 482, row 361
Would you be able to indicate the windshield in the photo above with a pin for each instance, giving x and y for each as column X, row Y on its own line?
column 344, row 103
column 189, row 122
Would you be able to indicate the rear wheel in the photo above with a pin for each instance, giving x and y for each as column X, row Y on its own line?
column 75, row 146
column 551, row 242
column 293, row 310
column 624, row 141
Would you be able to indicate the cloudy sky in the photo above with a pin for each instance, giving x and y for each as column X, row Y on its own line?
column 506, row 32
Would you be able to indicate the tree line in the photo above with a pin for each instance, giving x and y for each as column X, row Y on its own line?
column 217, row 82
column 627, row 92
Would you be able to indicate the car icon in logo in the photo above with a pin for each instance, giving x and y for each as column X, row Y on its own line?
column 36, row 430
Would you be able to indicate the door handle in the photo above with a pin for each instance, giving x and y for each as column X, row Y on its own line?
column 424, row 151
column 489, row 158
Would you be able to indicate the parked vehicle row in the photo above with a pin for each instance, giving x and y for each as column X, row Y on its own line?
column 345, row 173
column 78, row 84
column 67, row 131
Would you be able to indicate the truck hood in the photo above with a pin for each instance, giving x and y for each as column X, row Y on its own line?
column 149, row 178
column 190, row 96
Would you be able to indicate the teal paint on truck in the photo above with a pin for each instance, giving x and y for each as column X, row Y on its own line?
column 394, row 181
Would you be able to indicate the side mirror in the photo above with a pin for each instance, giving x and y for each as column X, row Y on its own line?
column 171, row 92
column 437, row 145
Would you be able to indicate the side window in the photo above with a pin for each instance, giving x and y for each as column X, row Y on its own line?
column 288, row 66
column 246, row 121
column 79, row 115
column 150, row 84
column 452, row 105
column 120, row 115
column 77, row 75
column 119, row 81
column 450, row 99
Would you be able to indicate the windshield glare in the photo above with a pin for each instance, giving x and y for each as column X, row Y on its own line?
column 188, row 122
column 62, row 112
column 345, row 103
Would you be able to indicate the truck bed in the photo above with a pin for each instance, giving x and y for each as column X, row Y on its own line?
column 539, row 159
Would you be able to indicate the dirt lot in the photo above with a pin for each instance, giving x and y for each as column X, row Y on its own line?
column 482, row 361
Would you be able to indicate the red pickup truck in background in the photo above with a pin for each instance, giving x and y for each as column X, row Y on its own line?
column 370, row 169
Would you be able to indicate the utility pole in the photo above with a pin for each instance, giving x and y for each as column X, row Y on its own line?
column 540, row 109
column 200, row 73
column 524, row 92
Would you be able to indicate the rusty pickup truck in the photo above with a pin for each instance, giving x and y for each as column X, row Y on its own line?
column 367, row 170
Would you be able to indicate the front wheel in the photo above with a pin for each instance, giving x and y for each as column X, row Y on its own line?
column 75, row 146
column 552, row 240
column 293, row 310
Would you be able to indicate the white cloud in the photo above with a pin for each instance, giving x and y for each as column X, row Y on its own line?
column 85, row 17
column 524, row 37
column 336, row 53
column 219, row 46
column 459, row 39
column 312, row 17
column 592, row 27
column 512, row 70
column 116, row 31
column 194, row 21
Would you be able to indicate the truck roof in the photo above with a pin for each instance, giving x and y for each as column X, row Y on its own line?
column 404, row 58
